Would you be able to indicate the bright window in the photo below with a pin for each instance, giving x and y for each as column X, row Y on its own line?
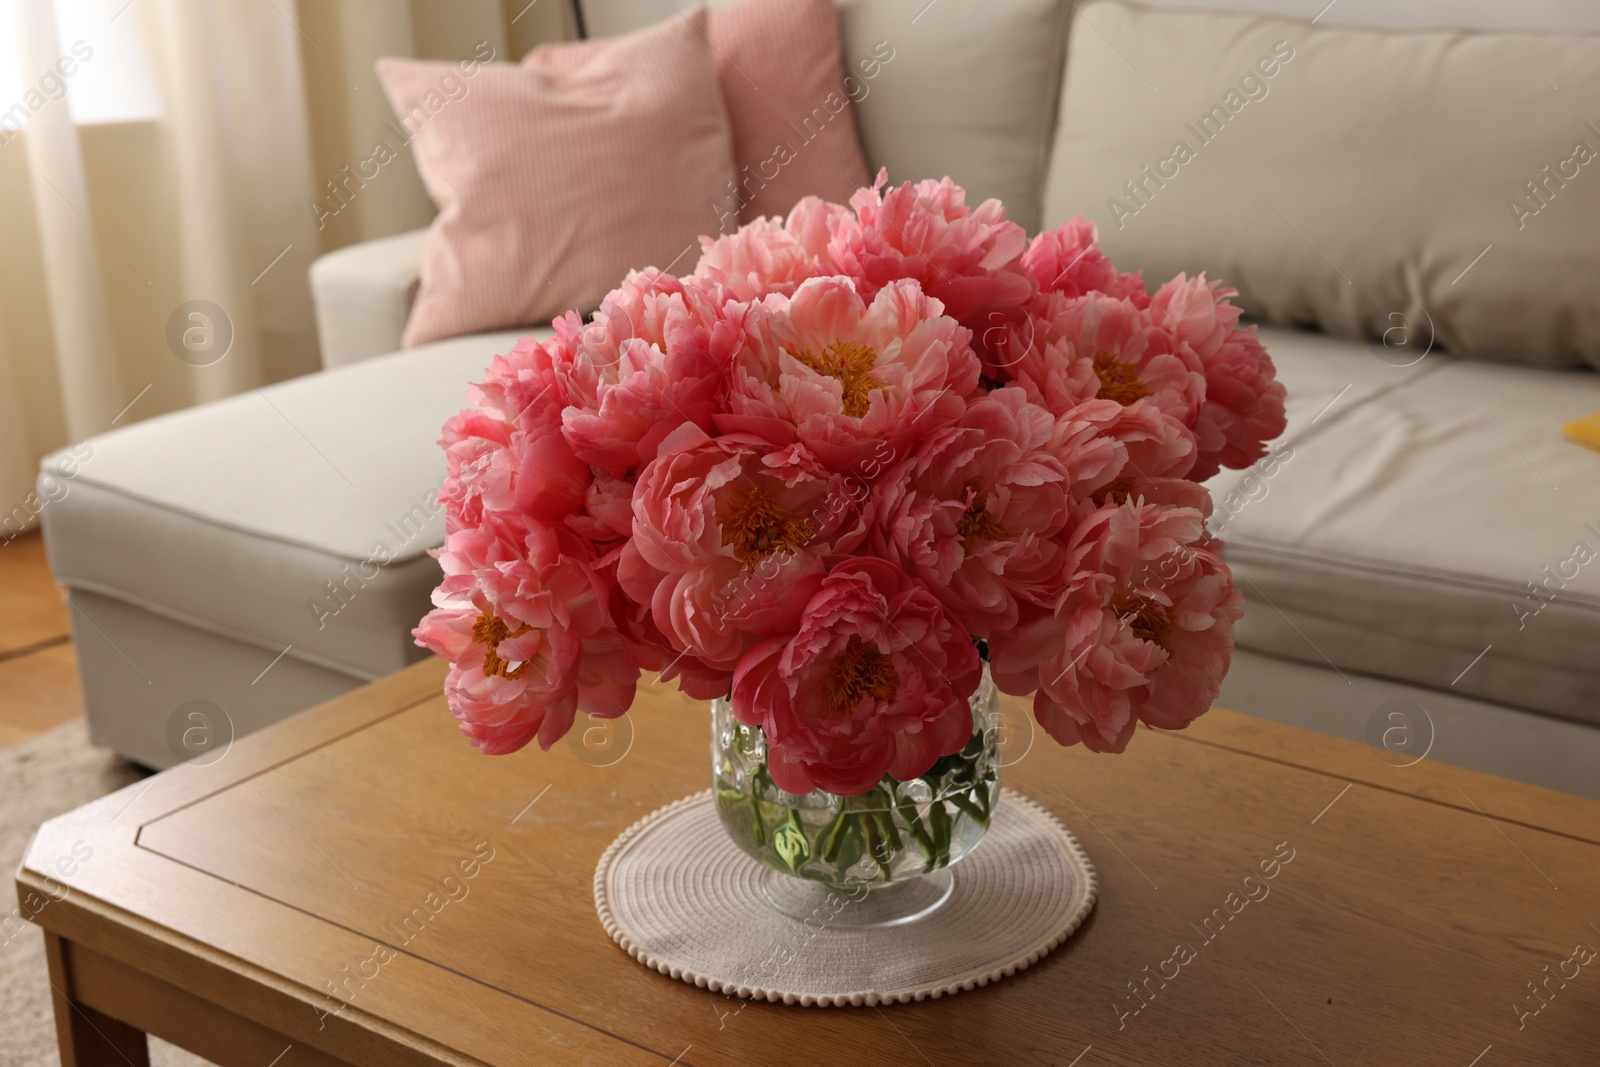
column 100, row 65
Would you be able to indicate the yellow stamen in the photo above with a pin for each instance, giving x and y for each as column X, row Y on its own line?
column 756, row 527
column 851, row 366
column 489, row 631
column 859, row 671
column 1119, row 381
column 1145, row 616
column 1117, row 492
column 976, row 524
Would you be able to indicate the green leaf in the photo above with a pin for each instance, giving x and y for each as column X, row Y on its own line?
column 789, row 842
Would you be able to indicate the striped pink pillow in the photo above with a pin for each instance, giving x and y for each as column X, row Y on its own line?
column 794, row 130
column 556, row 177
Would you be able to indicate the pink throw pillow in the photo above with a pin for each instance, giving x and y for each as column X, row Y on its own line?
column 556, row 177
column 794, row 130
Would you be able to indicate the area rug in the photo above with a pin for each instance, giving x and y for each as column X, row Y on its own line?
column 40, row 778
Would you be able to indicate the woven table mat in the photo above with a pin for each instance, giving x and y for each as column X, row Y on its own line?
column 679, row 896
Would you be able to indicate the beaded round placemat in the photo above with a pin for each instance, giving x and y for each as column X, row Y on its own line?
column 679, row 896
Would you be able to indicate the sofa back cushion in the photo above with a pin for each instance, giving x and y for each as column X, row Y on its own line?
column 555, row 178
column 1431, row 14
column 1402, row 185
column 965, row 90
column 954, row 87
column 789, row 107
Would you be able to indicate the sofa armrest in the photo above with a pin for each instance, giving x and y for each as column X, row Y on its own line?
column 363, row 294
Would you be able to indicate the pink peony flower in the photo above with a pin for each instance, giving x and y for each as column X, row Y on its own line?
column 514, row 428
column 874, row 682
column 728, row 542
column 645, row 307
column 927, row 233
column 526, row 387
column 524, row 628
column 1068, row 261
column 1100, row 361
column 759, row 259
column 646, row 365
column 1143, row 630
column 607, row 514
column 1243, row 406
column 477, row 460
column 975, row 511
column 1097, row 347
column 1157, row 451
column 1092, row 458
column 812, row 222
column 650, row 648
column 839, row 375
column 965, row 258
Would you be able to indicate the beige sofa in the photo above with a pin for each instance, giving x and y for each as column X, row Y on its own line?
column 1408, row 554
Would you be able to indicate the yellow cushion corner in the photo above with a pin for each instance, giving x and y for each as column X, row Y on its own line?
column 1585, row 431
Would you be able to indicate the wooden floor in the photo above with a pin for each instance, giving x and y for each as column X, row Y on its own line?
column 38, row 671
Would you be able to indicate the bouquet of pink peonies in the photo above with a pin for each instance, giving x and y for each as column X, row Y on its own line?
column 850, row 456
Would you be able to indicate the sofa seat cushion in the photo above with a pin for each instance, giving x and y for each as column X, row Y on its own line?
column 1439, row 530
column 298, row 515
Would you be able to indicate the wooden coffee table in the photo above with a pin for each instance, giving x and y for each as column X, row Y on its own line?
column 357, row 885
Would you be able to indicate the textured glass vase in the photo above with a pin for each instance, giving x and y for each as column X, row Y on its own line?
column 875, row 859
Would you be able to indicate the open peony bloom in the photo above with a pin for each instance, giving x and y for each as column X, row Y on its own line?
column 967, row 259
column 645, row 365
column 927, row 233
column 1097, row 347
column 976, row 511
column 514, row 428
column 1144, row 630
column 818, row 470
column 874, row 682
column 1243, row 406
column 729, row 540
column 524, row 629
column 840, row 375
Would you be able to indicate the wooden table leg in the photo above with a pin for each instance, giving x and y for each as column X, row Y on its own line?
column 88, row 1038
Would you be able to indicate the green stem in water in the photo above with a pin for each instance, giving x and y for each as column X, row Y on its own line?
column 757, row 778
column 880, row 801
column 965, row 802
column 939, row 822
column 875, row 844
column 885, row 821
column 853, row 844
column 759, row 828
column 908, row 812
column 831, row 840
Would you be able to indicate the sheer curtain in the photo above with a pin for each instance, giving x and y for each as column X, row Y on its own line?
column 112, row 227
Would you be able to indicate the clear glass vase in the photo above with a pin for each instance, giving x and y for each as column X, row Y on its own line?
column 877, row 859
